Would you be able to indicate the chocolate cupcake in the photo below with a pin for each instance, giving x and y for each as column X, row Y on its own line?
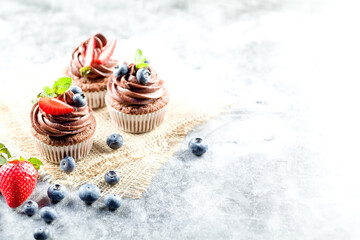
column 62, row 123
column 136, row 97
column 91, row 68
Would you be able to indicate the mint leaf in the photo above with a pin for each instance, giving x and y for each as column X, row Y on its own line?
column 138, row 54
column 142, row 65
column 41, row 94
column 50, row 95
column 47, row 90
column 61, row 85
column 2, row 160
column 6, row 151
column 2, row 145
column 85, row 71
column 139, row 58
column 36, row 162
column 56, row 87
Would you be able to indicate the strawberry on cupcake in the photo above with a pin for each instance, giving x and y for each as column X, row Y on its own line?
column 91, row 68
column 62, row 123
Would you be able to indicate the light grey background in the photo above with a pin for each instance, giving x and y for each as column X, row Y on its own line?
column 283, row 164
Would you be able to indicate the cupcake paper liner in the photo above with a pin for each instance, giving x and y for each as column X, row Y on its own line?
column 95, row 99
column 136, row 123
column 54, row 154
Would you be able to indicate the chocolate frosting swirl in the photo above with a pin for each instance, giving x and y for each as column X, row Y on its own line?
column 129, row 91
column 62, row 125
column 98, row 71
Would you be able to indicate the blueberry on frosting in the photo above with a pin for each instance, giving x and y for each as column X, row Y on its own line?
column 79, row 100
column 75, row 89
column 143, row 76
column 120, row 71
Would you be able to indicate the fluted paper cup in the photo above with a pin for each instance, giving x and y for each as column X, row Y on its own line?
column 136, row 123
column 54, row 154
column 96, row 99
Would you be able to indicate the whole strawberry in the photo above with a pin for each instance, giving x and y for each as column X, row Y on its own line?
column 17, row 178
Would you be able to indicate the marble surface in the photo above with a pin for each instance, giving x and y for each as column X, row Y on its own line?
column 282, row 164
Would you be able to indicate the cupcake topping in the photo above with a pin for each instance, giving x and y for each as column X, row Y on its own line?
column 106, row 53
column 47, row 101
column 91, row 61
column 138, row 85
column 143, row 76
column 54, row 106
column 89, row 57
column 58, row 111
column 140, row 60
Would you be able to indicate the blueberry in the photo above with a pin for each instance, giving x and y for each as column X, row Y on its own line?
column 79, row 99
column 198, row 146
column 112, row 177
column 143, row 76
column 30, row 208
column 67, row 164
column 147, row 61
column 48, row 214
column 75, row 89
column 56, row 192
column 114, row 141
column 112, row 201
column 120, row 71
column 41, row 233
column 89, row 193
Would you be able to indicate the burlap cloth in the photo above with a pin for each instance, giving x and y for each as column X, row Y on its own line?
column 137, row 161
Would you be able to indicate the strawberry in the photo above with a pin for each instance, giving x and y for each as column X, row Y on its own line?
column 17, row 177
column 106, row 53
column 17, row 181
column 54, row 106
column 90, row 52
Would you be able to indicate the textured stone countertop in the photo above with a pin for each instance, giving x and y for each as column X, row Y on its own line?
column 282, row 164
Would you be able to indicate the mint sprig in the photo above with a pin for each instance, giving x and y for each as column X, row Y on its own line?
column 85, row 71
column 140, row 59
column 60, row 86
column 5, row 157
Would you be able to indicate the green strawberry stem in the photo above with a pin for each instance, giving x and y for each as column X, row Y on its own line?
column 5, row 158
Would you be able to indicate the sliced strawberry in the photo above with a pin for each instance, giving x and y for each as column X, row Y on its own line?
column 54, row 106
column 90, row 52
column 106, row 53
